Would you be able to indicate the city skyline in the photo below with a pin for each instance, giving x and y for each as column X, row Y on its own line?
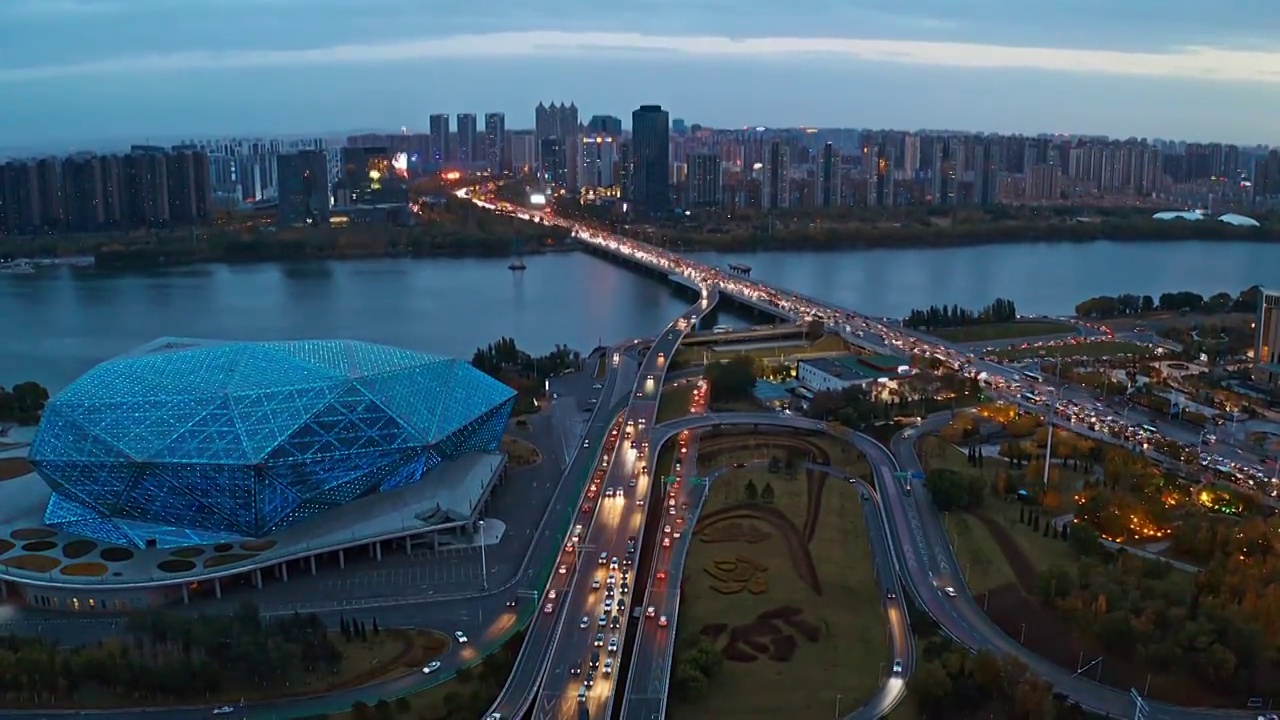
column 1083, row 67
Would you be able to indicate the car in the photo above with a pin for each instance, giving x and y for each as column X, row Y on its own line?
column 223, row 710
column 597, row 386
column 431, row 667
column 648, row 612
column 608, row 592
column 662, row 575
column 590, row 679
column 586, row 443
column 622, row 604
column 602, row 621
column 564, row 568
column 639, row 502
column 551, row 594
column 599, row 638
column 891, row 594
column 493, row 716
column 547, row 609
column 576, row 667
column 613, row 563
column 950, row 591
column 586, row 621
column 512, row 602
column 460, row 637
column 613, row 645
column 866, row 496
column 604, row 558
column 662, row 621
column 666, row 529
column 608, row 666
column 666, row 542
column 897, row 667
column 586, row 508
column 676, row 533
column 671, row 510
column 624, row 588
column 616, row 622
column 608, row 492
column 595, row 584
column 608, row 604
column 739, row 465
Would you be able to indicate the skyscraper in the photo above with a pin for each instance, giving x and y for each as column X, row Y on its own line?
column 651, row 153
column 829, row 177
column 605, row 124
column 704, row 180
column 466, row 139
column 82, row 190
column 555, row 170
column 304, row 188
column 441, row 148
column 775, row 190
column 497, row 159
column 559, row 122
column 598, row 155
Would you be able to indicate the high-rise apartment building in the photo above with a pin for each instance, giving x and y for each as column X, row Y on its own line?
column 554, row 165
column 651, row 158
column 605, row 125
column 83, row 191
column 560, row 122
column 598, row 156
column 523, row 152
column 829, row 177
column 441, row 148
column 497, row 157
column 1266, row 344
column 146, row 181
column 703, row 184
column 369, row 178
column 775, row 186
column 467, row 139
column 304, row 188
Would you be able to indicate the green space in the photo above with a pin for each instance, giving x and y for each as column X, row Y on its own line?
column 526, row 374
column 674, row 403
column 1002, row 331
column 779, row 588
column 23, row 403
column 468, row 694
column 165, row 658
column 1096, row 349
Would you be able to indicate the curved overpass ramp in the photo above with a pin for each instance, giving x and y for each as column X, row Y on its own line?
column 651, row 668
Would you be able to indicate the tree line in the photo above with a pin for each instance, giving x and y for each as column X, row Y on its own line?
column 167, row 657
column 919, row 395
column 23, row 403
column 1104, row 307
column 525, row 373
column 943, row 316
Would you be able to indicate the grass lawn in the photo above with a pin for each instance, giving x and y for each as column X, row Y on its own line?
column 520, row 453
column 1098, row 349
column 839, row 633
column 1002, row 331
column 982, row 554
column 674, row 403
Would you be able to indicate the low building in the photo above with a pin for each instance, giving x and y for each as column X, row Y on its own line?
column 838, row 373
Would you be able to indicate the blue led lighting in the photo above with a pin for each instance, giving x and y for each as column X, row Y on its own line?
column 191, row 442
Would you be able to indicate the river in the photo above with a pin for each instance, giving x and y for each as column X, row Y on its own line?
column 59, row 322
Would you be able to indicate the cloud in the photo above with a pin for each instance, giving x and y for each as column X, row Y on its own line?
column 1191, row 62
column 17, row 9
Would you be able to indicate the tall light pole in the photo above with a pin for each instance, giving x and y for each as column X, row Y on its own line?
column 1048, row 441
column 484, row 564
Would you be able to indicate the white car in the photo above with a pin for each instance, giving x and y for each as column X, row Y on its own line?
column 949, row 591
column 223, row 710
column 431, row 667
column 586, row 622
column 460, row 637
column 897, row 667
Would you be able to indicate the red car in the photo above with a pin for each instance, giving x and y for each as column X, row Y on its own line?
column 586, row 508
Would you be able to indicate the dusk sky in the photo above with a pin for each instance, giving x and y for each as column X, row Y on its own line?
column 76, row 73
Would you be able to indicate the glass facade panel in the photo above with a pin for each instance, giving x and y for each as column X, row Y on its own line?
column 189, row 442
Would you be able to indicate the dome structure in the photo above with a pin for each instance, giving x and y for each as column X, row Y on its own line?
column 1239, row 220
column 187, row 442
column 1178, row 215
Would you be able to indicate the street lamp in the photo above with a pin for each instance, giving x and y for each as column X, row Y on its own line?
column 484, row 565
column 1048, row 442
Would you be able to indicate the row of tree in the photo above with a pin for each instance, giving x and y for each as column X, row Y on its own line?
column 944, row 316
column 168, row 657
column 23, row 403
column 525, row 373
column 732, row 380
column 1103, row 307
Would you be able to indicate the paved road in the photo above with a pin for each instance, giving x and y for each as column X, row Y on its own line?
column 618, row 519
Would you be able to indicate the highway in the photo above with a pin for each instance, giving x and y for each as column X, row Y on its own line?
column 647, row 688
column 590, row 631
column 527, row 671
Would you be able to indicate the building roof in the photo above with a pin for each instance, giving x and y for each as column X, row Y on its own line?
column 858, row 368
column 188, row 441
column 1239, row 220
column 1178, row 215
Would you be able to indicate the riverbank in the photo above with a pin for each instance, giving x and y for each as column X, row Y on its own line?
column 218, row 245
column 902, row 236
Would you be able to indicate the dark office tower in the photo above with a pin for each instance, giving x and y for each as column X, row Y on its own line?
column 555, row 166
column 83, row 193
column 496, row 157
column 651, row 153
column 180, row 173
column 775, row 187
column 466, row 139
column 605, row 125
column 49, row 185
column 625, row 168
column 146, row 181
column 829, row 177
column 304, row 188
column 441, row 148
column 704, row 180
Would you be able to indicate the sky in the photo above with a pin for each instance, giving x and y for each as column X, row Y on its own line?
column 75, row 74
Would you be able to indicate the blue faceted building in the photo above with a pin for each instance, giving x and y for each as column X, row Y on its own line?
column 189, row 442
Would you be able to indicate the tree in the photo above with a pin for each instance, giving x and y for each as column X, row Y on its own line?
column 360, row 710
column 766, row 495
column 732, row 380
column 376, row 631
column 382, row 709
column 403, row 706
column 750, row 492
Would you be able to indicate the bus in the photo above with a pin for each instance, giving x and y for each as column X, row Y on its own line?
column 722, row 329
column 1151, row 429
column 1030, row 375
column 1030, row 397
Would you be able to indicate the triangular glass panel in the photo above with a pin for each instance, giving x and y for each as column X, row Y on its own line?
column 211, row 438
column 274, row 502
column 267, row 417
